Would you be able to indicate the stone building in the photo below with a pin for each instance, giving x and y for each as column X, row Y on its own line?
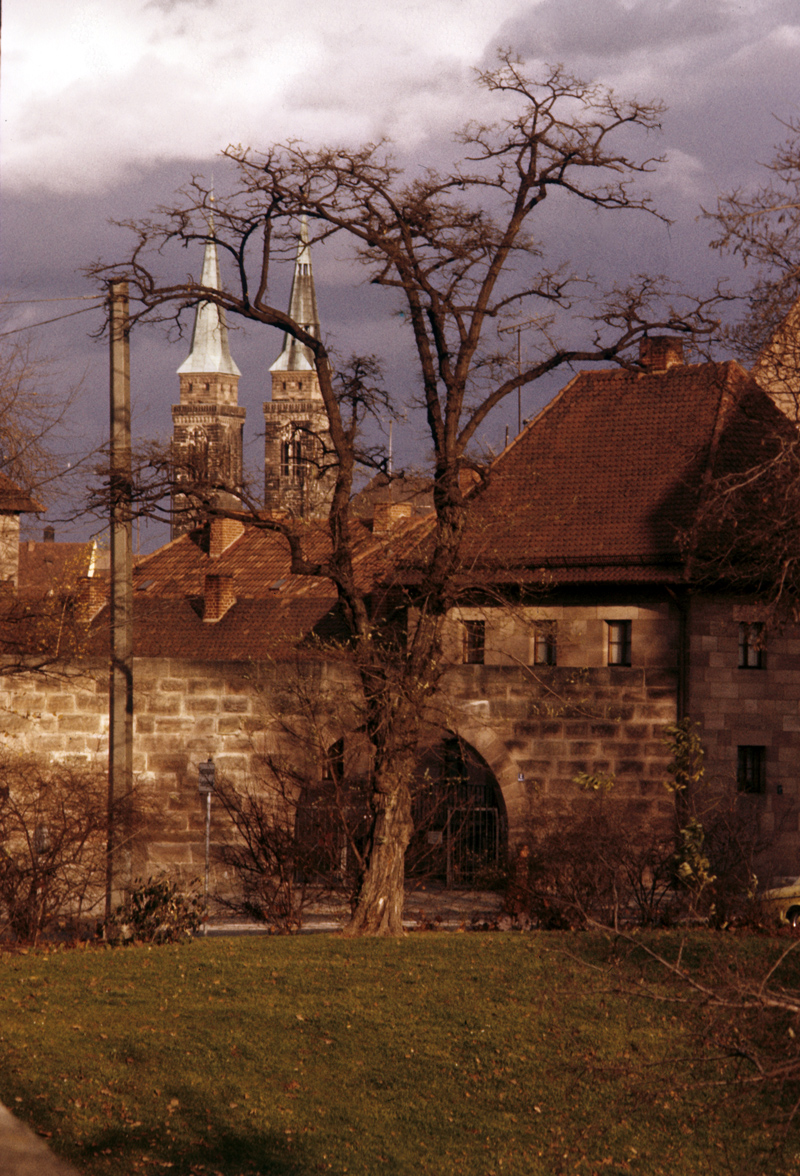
column 580, row 635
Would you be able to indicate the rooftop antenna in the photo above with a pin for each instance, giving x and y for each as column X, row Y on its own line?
column 518, row 327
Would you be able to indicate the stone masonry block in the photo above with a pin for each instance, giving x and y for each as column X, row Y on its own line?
column 155, row 705
column 60, row 704
column 205, row 705
column 237, row 705
column 87, row 724
column 630, row 767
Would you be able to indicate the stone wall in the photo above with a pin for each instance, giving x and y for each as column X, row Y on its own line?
column 539, row 727
column 749, row 707
column 536, row 727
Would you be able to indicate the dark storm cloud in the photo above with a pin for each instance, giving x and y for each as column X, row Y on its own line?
column 94, row 149
column 609, row 31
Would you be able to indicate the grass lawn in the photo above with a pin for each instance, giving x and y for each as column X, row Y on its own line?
column 478, row 1054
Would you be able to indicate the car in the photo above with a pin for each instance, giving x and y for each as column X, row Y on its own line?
column 782, row 902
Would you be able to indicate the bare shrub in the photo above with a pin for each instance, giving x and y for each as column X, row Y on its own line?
column 294, row 843
column 593, row 865
column 597, row 862
column 52, row 844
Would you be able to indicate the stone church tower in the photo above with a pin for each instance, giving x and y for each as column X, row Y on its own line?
column 296, row 450
column 207, row 425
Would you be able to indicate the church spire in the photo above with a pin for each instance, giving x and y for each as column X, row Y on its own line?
column 298, row 471
column 302, row 308
column 210, row 351
column 208, row 423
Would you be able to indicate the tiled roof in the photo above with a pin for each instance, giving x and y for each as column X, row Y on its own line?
column 597, row 489
column 609, row 473
column 59, row 566
column 273, row 611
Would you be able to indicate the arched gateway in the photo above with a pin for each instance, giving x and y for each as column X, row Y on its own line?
column 460, row 825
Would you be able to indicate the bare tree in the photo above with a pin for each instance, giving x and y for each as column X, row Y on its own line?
column 52, row 849
column 34, row 415
column 762, row 228
column 456, row 251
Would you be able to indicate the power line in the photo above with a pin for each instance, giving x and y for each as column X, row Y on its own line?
column 47, row 322
column 36, row 301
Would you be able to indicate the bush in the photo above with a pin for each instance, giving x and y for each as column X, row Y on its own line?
column 156, row 911
column 593, row 866
column 52, row 844
column 283, row 855
column 596, row 864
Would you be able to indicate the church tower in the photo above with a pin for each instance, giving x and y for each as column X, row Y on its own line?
column 207, row 425
column 296, row 457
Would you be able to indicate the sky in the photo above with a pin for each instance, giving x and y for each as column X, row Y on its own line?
column 108, row 106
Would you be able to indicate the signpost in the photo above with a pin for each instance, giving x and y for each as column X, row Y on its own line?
column 205, row 784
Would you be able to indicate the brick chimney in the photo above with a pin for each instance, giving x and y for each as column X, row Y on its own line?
column 223, row 532
column 389, row 515
column 661, row 352
column 218, row 595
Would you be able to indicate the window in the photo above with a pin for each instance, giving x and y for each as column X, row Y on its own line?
column 619, row 643
column 544, row 644
column 751, row 769
column 751, row 646
column 291, row 460
column 474, row 642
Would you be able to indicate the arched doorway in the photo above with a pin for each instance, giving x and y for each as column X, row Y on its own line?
column 460, row 827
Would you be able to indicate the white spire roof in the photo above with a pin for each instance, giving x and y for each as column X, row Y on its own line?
column 210, row 351
column 303, row 309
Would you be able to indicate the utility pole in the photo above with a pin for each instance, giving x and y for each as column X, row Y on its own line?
column 120, row 735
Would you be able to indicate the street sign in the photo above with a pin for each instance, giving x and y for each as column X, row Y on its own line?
column 206, row 781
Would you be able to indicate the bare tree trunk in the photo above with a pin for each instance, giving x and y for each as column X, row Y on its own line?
column 379, row 905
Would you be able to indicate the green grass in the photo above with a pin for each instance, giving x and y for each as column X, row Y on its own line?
column 474, row 1054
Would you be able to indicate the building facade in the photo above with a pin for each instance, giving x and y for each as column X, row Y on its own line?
column 580, row 636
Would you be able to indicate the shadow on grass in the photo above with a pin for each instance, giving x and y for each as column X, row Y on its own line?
column 223, row 1151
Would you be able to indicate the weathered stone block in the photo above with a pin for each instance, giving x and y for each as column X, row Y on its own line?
column 60, row 703
column 235, row 705
column 88, row 724
column 204, row 705
column 154, row 704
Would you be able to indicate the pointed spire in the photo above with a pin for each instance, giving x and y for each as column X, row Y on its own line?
column 302, row 308
column 210, row 351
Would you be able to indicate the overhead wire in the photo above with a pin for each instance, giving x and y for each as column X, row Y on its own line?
column 47, row 322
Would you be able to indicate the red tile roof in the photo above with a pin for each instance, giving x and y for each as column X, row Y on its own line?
column 608, row 474
column 57, row 566
column 597, row 488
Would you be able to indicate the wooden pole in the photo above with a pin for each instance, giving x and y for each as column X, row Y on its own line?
column 120, row 738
